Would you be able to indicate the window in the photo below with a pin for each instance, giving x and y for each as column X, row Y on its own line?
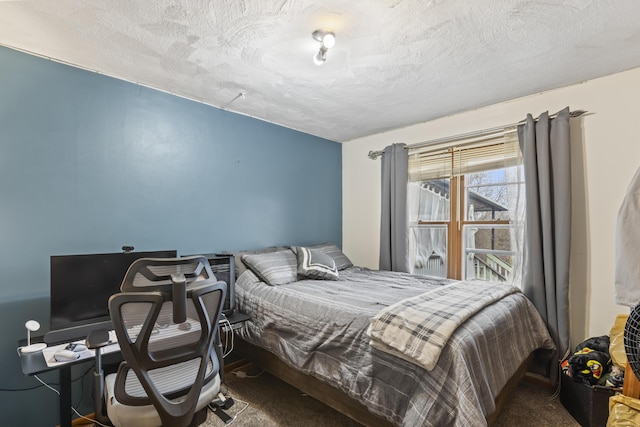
column 465, row 207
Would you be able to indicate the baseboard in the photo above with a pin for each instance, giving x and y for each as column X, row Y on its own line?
column 79, row 422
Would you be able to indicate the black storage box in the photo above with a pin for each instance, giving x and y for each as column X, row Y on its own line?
column 589, row 405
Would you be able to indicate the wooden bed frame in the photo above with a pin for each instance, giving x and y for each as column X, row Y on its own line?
column 337, row 399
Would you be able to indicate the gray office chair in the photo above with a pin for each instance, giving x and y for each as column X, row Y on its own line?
column 166, row 321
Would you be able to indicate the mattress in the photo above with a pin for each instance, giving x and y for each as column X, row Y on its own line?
column 318, row 327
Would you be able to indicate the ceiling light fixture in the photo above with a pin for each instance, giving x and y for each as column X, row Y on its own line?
column 327, row 40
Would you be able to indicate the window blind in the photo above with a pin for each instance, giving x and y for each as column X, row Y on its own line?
column 484, row 152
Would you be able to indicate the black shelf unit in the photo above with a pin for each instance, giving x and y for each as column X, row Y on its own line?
column 223, row 267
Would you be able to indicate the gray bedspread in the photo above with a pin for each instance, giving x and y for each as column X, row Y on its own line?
column 319, row 327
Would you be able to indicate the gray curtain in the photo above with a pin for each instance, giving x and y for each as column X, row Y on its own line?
column 547, row 169
column 394, row 229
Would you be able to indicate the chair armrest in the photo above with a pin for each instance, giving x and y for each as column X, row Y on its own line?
column 97, row 339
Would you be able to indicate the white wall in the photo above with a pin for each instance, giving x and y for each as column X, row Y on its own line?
column 605, row 155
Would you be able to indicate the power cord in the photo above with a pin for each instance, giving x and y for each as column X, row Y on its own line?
column 560, row 373
column 228, row 336
column 242, row 374
column 72, row 408
column 21, row 389
column 246, row 405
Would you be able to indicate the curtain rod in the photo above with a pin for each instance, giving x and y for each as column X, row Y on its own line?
column 373, row 155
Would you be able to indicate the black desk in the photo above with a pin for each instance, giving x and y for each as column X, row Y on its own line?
column 34, row 363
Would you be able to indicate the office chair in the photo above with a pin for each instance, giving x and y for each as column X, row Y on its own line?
column 166, row 321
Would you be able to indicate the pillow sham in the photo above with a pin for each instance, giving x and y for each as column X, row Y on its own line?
column 314, row 264
column 241, row 267
column 274, row 268
column 334, row 252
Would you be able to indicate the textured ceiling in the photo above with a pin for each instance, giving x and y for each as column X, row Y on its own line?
column 395, row 62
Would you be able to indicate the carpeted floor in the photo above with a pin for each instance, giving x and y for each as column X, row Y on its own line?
column 273, row 403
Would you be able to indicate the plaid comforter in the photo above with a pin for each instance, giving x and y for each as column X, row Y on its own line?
column 319, row 327
column 417, row 329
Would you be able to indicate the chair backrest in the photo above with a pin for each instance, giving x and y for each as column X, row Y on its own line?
column 166, row 320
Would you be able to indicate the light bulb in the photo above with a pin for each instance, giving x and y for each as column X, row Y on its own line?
column 329, row 40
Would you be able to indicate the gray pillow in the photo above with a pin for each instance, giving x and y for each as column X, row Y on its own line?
column 334, row 252
column 315, row 264
column 274, row 268
column 240, row 265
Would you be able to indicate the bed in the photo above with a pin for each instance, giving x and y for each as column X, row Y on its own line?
column 313, row 334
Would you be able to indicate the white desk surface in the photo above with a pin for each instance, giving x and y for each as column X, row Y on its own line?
column 48, row 353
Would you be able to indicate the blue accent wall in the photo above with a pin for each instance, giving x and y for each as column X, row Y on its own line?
column 89, row 163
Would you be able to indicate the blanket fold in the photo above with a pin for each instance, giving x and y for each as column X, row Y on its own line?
column 417, row 328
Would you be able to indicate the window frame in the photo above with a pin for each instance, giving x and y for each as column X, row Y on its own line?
column 457, row 249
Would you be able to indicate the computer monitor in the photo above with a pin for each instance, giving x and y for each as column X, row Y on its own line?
column 80, row 289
